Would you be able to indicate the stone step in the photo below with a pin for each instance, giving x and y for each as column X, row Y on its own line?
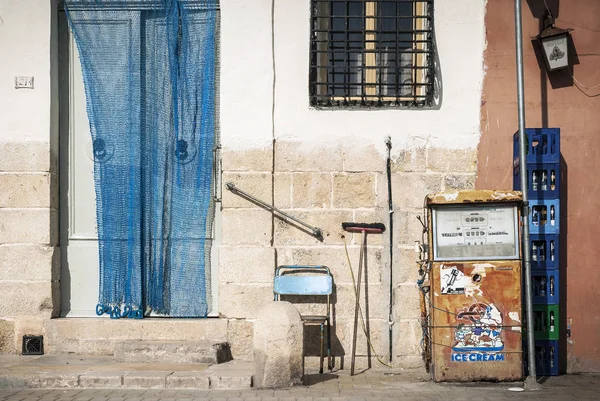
column 210, row 352
column 99, row 336
column 235, row 374
column 80, row 371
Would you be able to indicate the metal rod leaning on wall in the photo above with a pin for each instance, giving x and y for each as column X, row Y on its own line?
column 315, row 231
column 531, row 381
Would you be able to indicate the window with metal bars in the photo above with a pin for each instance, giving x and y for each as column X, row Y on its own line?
column 371, row 53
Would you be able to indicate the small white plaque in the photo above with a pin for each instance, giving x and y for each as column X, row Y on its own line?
column 23, row 82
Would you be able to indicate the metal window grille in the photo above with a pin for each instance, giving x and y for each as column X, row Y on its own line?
column 372, row 53
column 32, row 345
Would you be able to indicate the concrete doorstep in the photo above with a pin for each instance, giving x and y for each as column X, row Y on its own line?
column 71, row 371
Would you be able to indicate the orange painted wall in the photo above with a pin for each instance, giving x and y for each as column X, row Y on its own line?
column 553, row 102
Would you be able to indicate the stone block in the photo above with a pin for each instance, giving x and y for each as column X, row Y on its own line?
column 19, row 381
column 278, row 346
column 344, row 328
column 22, row 190
column 100, row 336
column 407, row 228
column 377, row 297
column 232, row 375
column 101, row 379
column 258, row 185
column 240, row 334
column 300, row 156
column 362, row 157
column 412, row 362
column 243, row 300
column 246, row 264
column 7, row 337
column 405, row 264
column 28, row 226
column 354, row 190
column 412, row 159
column 408, row 335
column 146, row 379
column 28, row 262
column 186, row 379
column 407, row 301
column 246, row 227
column 335, row 258
column 330, row 221
column 26, row 299
column 260, row 159
column 457, row 182
column 230, row 382
column 376, row 215
column 28, row 326
column 283, row 190
column 172, row 351
column 27, row 156
column 452, row 160
column 311, row 190
column 58, row 380
column 410, row 189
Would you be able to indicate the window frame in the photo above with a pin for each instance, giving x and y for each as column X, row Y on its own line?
column 371, row 90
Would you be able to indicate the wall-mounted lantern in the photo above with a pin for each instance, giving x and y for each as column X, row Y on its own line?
column 554, row 43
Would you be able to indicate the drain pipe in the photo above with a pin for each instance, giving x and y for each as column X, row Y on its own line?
column 531, row 380
column 388, row 144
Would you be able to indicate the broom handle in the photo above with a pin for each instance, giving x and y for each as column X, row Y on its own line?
column 357, row 305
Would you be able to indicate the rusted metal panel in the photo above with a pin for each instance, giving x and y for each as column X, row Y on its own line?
column 476, row 321
column 474, row 196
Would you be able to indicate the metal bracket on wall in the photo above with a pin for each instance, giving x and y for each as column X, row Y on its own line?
column 314, row 231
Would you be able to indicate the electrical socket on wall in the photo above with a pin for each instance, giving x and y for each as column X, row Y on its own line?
column 23, row 82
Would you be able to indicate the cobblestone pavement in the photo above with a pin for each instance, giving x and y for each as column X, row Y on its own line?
column 367, row 386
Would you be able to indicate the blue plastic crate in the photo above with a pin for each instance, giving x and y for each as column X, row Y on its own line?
column 543, row 180
column 545, row 252
column 546, row 358
column 545, row 286
column 543, row 145
column 544, row 216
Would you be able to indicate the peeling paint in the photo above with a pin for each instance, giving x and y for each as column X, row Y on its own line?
column 503, row 195
column 450, row 197
column 514, row 316
column 483, row 266
column 474, row 196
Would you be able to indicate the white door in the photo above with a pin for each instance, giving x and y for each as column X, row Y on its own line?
column 78, row 229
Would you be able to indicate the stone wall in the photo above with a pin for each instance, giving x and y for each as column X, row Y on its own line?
column 29, row 255
column 324, row 187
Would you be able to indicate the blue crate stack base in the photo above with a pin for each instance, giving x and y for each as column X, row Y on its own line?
column 543, row 188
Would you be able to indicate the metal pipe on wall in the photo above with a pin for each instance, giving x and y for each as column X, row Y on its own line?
column 531, row 380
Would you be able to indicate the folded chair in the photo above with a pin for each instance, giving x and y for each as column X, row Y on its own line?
column 301, row 280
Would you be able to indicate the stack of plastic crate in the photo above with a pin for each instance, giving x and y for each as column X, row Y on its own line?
column 543, row 188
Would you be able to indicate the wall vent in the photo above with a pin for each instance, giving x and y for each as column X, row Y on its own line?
column 33, row 345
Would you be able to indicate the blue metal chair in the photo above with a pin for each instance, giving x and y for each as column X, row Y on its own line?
column 301, row 280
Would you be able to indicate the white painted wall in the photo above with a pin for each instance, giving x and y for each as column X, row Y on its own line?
column 247, row 79
column 247, row 73
column 25, row 114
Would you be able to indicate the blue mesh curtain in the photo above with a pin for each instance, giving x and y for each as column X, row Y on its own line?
column 149, row 76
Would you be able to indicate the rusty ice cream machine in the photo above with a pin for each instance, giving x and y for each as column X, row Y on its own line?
column 474, row 327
